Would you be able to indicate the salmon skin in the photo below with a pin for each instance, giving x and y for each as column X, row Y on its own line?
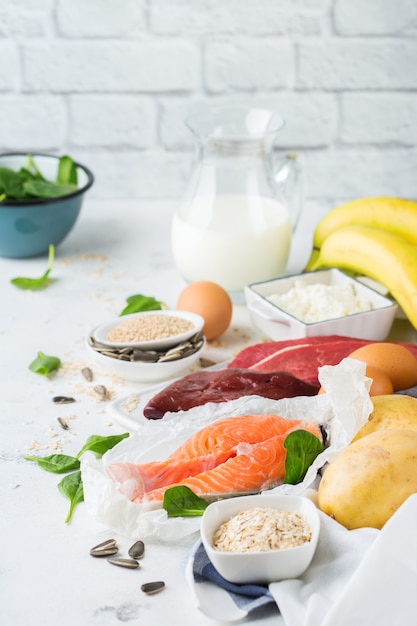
column 241, row 454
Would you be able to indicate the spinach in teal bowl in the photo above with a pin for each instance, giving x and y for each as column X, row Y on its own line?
column 41, row 204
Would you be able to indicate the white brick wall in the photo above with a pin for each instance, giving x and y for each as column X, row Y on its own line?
column 110, row 82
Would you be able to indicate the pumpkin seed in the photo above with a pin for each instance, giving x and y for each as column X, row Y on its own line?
column 137, row 550
column 153, row 587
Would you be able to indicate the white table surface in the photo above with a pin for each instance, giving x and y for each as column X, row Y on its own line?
column 47, row 576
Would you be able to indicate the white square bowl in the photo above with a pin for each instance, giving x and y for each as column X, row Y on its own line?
column 278, row 325
column 267, row 566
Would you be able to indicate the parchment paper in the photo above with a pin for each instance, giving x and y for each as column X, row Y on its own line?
column 343, row 409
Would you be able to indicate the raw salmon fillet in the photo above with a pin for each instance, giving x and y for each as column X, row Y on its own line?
column 241, row 454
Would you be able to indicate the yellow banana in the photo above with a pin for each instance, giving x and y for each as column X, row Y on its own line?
column 394, row 214
column 379, row 254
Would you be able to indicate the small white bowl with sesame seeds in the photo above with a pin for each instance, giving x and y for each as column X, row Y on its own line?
column 152, row 360
column 262, row 538
column 149, row 330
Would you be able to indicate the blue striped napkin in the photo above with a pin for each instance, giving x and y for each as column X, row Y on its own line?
column 246, row 597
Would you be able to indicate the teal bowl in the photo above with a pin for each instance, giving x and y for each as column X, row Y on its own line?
column 28, row 227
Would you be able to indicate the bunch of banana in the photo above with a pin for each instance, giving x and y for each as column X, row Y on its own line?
column 375, row 237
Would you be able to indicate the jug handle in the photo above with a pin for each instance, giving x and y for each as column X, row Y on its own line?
column 289, row 178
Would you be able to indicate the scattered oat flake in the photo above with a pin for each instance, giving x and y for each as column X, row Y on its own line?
column 35, row 446
column 66, row 261
column 131, row 403
column 97, row 272
column 92, row 257
column 14, row 485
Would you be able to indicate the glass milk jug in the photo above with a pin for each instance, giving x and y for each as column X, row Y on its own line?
column 235, row 222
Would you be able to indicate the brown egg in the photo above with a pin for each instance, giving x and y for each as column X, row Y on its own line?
column 381, row 382
column 393, row 359
column 212, row 302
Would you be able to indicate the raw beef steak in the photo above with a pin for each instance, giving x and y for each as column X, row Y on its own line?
column 301, row 357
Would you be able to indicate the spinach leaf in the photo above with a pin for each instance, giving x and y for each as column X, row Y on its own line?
column 46, row 189
column 181, row 501
column 12, row 184
column 67, row 172
column 139, row 303
column 28, row 182
column 55, row 463
column 44, row 364
column 302, row 448
column 71, row 486
column 37, row 283
column 32, row 169
column 100, row 445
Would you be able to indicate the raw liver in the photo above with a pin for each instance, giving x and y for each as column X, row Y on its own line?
column 228, row 384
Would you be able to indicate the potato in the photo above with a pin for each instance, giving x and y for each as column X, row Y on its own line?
column 370, row 479
column 390, row 411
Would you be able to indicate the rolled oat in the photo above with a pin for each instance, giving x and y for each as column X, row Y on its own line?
column 261, row 529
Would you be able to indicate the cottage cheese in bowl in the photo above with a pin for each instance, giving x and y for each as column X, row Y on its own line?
column 317, row 302
column 323, row 302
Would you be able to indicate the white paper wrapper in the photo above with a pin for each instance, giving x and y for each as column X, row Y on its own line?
column 344, row 408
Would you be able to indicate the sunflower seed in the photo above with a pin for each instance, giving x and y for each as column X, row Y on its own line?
column 62, row 399
column 173, row 355
column 135, row 354
column 62, row 423
column 107, row 543
column 128, row 563
column 153, row 587
column 206, row 362
column 100, row 390
column 104, row 551
column 87, row 373
column 137, row 550
column 147, row 356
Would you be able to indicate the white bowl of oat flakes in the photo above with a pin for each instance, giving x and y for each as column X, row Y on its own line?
column 149, row 346
column 262, row 538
